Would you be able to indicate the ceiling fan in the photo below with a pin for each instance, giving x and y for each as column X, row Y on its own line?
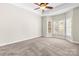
column 43, row 6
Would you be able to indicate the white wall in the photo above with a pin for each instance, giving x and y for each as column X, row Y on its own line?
column 75, row 25
column 17, row 24
column 69, row 16
column 45, row 21
column 44, row 26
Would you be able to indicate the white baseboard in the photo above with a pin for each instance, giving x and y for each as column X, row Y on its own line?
column 75, row 42
column 19, row 40
column 70, row 40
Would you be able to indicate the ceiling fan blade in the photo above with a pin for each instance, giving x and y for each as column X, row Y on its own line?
column 43, row 4
column 47, row 3
column 36, row 8
column 49, row 7
column 36, row 4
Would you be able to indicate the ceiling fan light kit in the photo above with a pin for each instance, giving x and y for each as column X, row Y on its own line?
column 43, row 6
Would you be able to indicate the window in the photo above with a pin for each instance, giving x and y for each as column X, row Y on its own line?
column 59, row 27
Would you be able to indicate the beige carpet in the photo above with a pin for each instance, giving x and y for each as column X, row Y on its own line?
column 40, row 47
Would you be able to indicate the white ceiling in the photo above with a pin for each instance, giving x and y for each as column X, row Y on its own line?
column 57, row 8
